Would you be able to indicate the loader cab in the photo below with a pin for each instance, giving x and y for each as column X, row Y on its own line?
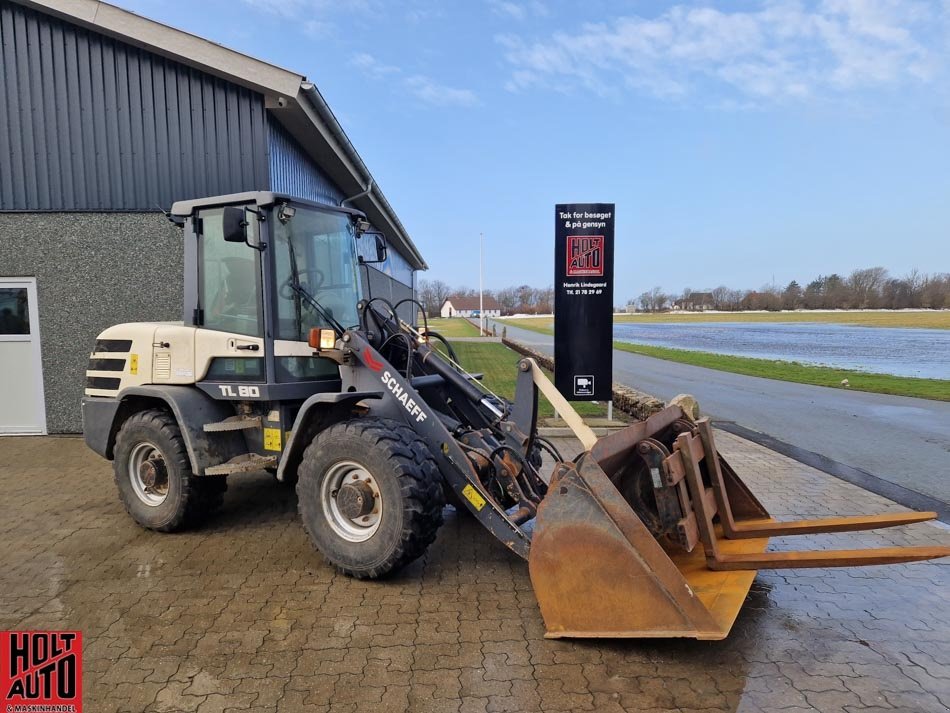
column 271, row 268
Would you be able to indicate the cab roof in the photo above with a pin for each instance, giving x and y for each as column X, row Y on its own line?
column 262, row 199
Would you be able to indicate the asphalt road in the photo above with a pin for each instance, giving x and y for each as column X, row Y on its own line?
column 899, row 440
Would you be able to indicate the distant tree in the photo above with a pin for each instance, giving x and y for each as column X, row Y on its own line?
column 544, row 300
column 526, row 295
column 654, row 300
column 896, row 294
column 814, row 293
column 721, row 297
column 792, row 296
column 835, row 294
column 508, row 299
column 432, row 294
column 864, row 287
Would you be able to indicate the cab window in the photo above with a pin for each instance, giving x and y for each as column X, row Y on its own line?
column 229, row 279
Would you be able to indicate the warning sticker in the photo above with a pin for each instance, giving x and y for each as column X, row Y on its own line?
column 271, row 439
column 474, row 497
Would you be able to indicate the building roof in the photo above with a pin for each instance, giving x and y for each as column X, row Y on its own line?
column 288, row 96
column 471, row 303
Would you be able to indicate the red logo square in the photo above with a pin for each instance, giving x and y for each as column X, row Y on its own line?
column 41, row 670
column 585, row 255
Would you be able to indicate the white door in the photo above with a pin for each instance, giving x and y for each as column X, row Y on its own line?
column 22, row 408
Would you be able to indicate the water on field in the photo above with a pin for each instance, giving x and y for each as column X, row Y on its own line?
column 902, row 352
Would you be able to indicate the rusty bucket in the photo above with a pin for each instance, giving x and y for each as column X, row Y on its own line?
column 652, row 534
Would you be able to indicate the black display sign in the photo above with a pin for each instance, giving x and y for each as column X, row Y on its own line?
column 584, row 300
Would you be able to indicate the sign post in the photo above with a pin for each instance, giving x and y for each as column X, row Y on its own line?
column 584, row 300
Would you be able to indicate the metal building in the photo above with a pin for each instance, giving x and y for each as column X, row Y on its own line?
column 106, row 118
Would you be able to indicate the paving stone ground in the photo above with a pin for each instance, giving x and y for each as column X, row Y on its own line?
column 242, row 615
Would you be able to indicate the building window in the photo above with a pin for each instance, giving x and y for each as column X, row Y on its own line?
column 14, row 311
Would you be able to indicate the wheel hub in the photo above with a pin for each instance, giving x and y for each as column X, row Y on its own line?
column 153, row 474
column 351, row 501
column 148, row 473
column 355, row 499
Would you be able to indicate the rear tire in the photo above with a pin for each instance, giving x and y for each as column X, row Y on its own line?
column 154, row 478
column 370, row 496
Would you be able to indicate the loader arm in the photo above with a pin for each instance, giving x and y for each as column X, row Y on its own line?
column 370, row 370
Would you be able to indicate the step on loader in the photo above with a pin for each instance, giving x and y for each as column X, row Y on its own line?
column 284, row 362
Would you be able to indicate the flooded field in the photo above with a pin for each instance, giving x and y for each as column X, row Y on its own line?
column 922, row 353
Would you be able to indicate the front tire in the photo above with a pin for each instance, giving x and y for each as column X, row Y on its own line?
column 154, row 477
column 370, row 496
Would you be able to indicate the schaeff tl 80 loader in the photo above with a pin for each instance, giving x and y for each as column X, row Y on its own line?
column 281, row 364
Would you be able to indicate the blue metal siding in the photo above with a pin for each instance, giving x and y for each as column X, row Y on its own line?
column 88, row 122
column 293, row 171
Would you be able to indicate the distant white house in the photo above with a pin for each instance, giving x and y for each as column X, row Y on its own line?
column 457, row 306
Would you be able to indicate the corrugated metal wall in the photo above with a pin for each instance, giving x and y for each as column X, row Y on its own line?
column 293, row 172
column 91, row 123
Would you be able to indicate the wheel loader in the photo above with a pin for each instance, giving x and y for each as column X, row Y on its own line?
column 283, row 363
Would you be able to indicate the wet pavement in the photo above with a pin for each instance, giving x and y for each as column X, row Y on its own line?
column 242, row 615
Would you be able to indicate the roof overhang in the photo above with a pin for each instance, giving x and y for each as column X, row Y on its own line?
column 289, row 97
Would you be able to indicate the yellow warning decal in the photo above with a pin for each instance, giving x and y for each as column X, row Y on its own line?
column 133, row 364
column 271, row 439
column 474, row 497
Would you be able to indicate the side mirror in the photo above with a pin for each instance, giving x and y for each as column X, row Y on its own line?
column 380, row 246
column 233, row 224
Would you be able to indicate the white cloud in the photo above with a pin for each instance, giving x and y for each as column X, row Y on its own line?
column 518, row 10
column 419, row 86
column 784, row 50
column 318, row 28
column 427, row 90
column 302, row 9
column 284, row 8
column 373, row 67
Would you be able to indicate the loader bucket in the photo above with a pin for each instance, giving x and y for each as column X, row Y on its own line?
column 651, row 534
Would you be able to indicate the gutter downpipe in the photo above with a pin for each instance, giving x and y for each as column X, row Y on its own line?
column 369, row 187
column 309, row 89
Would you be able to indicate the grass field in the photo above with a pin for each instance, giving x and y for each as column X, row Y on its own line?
column 499, row 364
column 937, row 389
column 454, row 327
column 933, row 319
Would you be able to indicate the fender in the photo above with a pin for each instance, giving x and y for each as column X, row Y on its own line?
column 192, row 409
column 314, row 409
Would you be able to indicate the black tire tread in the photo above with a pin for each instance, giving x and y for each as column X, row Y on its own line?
column 420, row 484
column 199, row 495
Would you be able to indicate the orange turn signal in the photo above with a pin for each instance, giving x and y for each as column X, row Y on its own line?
column 322, row 338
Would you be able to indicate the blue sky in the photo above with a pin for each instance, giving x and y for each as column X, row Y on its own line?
column 742, row 142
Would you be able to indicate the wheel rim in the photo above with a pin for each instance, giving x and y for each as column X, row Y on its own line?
column 344, row 482
column 148, row 474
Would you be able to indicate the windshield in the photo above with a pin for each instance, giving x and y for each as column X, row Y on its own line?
column 315, row 258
